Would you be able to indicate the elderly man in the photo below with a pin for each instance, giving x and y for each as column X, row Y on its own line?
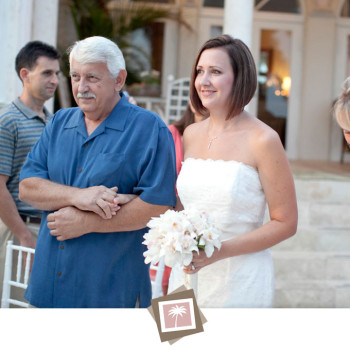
column 21, row 123
column 88, row 253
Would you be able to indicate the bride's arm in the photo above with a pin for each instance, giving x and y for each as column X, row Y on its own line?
column 278, row 185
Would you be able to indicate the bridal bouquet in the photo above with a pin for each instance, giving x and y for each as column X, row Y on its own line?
column 176, row 235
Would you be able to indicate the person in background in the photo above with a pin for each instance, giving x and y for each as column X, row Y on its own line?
column 177, row 129
column 89, row 253
column 130, row 98
column 341, row 110
column 21, row 124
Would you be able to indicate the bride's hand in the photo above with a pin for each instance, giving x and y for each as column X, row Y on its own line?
column 200, row 260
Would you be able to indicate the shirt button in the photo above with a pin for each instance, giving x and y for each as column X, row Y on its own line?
column 62, row 247
column 80, row 170
column 59, row 273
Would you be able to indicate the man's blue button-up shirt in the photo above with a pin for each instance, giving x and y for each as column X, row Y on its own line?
column 132, row 149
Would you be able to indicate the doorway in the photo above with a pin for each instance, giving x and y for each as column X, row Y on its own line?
column 277, row 49
column 274, row 81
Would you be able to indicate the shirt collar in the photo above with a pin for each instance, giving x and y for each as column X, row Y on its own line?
column 116, row 120
column 28, row 112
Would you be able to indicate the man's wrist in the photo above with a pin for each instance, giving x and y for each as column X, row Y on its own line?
column 23, row 235
column 92, row 222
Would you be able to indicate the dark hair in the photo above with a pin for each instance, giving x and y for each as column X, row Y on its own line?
column 244, row 73
column 28, row 55
column 186, row 120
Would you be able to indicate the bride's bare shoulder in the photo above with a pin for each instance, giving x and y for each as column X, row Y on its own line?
column 261, row 132
column 196, row 129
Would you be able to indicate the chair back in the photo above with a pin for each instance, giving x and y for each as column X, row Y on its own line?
column 22, row 276
column 177, row 99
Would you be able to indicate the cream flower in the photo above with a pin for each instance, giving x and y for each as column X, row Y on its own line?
column 176, row 235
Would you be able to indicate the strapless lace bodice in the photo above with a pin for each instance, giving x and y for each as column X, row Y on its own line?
column 231, row 193
column 226, row 190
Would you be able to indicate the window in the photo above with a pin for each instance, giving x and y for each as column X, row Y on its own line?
column 345, row 12
column 215, row 31
column 289, row 6
column 274, row 79
column 213, row 3
column 155, row 1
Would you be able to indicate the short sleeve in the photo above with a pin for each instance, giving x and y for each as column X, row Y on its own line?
column 36, row 162
column 7, row 149
column 158, row 169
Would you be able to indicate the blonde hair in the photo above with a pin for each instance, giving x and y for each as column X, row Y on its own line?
column 341, row 109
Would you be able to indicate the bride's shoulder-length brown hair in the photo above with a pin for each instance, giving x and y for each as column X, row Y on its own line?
column 244, row 74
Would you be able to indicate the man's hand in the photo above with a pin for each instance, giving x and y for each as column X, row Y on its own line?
column 47, row 195
column 70, row 222
column 67, row 223
column 27, row 240
column 10, row 217
column 121, row 199
column 98, row 199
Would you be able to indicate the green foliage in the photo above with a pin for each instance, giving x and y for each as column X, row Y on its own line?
column 93, row 17
column 132, row 16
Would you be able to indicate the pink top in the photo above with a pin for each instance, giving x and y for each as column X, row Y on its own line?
column 179, row 159
column 178, row 147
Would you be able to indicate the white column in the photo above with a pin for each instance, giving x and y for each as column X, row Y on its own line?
column 238, row 22
column 169, row 58
column 44, row 27
column 44, row 21
column 15, row 32
column 238, row 19
column 22, row 21
column 317, row 93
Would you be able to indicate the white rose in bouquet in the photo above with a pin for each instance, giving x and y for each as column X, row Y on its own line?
column 176, row 235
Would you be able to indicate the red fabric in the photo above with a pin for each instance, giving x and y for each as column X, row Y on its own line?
column 166, row 275
column 179, row 159
column 178, row 147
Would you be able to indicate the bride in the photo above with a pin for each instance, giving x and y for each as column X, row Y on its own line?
column 234, row 165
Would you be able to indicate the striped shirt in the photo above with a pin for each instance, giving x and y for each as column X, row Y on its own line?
column 20, row 128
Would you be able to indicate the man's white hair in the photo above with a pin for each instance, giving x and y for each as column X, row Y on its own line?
column 98, row 49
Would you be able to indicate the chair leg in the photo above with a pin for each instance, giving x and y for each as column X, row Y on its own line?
column 7, row 277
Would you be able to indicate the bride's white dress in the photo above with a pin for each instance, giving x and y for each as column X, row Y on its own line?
column 231, row 193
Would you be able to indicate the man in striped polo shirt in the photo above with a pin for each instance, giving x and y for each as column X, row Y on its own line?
column 21, row 124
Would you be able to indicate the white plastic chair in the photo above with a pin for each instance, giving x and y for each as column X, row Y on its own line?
column 157, row 290
column 178, row 96
column 20, row 281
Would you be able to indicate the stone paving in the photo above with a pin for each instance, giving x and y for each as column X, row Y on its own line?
column 312, row 268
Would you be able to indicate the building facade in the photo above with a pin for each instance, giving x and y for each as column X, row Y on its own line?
column 301, row 48
column 23, row 21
